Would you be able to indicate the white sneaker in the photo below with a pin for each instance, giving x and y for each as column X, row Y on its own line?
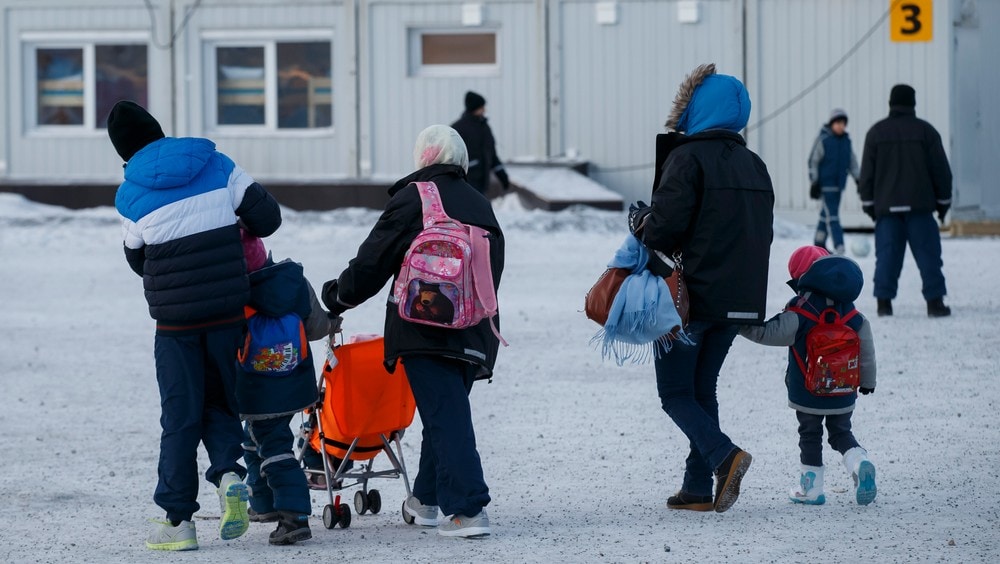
column 863, row 472
column 168, row 537
column 233, row 496
column 474, row 527
column 423, row 515
column 810, row 489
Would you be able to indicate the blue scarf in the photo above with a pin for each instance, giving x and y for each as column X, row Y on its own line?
column 642, row 315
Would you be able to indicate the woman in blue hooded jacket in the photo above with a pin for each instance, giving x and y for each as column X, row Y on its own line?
column 712, row 201
column 822, row 282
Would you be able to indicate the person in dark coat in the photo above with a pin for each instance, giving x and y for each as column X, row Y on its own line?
column 181, row 205
column 905, row 178
column 441, row 363
column 713, row 202
column 830, row 161
column 278, row 489
column 478, row 137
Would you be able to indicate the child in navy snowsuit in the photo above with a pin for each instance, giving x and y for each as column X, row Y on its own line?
column 278, row 489
column 830, row 161
column 822, row 282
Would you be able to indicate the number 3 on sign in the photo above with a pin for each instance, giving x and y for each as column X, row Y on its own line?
column 911, row 20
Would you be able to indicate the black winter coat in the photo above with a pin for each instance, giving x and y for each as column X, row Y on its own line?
column 713, row 200
column 381, row 255
column 475, row 131
column 904, row 167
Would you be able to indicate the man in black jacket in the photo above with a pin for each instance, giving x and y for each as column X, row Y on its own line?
column 181, row 205
column 713, row 202
column 905, row 178
column 478, row 137
column 441, row 363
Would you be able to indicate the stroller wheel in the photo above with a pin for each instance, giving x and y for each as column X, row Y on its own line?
column 345, row 516
column 374, row 501
column 407, row 518
column 360, row 502
column 329, row 517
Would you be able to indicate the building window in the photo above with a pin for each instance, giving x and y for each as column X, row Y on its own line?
column 274, row 85
column 453, row 53
column 78, row 86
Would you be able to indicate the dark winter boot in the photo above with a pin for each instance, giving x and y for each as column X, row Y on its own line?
column 691, row 502
column 292, row 528
column 884, row 308
column 936, row 308
column 728, row 476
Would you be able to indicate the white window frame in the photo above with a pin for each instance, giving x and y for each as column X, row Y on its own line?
column 31, row 42
column 210, row 40
column 415, row 58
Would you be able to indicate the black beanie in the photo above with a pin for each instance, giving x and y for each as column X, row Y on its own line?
column 131, row 128
column 903, row 95
column 473, row 101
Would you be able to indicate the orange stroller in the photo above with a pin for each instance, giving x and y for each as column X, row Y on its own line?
column 362, row 410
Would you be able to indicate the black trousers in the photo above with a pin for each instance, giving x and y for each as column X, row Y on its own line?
column 839, row 436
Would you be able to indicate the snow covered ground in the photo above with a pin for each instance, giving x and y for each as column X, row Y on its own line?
column 578, row 454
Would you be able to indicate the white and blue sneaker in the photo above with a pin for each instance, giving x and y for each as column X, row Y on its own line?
column 810, row 488
column 233, row 496
column 863, row 472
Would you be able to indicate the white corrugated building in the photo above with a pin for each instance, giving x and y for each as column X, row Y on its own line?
column 315, row 92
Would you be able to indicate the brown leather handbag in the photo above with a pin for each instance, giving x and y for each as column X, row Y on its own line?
column 598, row 301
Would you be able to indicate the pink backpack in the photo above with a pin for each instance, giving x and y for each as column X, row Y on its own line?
column 446, row 279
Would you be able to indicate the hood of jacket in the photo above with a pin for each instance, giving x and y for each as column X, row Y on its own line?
column 835, row 277
column 169, row 162
column 275, row 290
column 706, row 100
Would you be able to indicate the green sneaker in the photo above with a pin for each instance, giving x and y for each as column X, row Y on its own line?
column 233, row 496
column 168, row 537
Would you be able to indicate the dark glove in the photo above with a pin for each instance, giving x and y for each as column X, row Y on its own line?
column 869, row 211
column 503, row 178
column 815, row 190
column 866, row 391
column 329, row 297
column 335, row 323
column 942, row 210
column 637, row 214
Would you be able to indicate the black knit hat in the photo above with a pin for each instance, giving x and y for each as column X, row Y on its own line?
column 473, row 101
column 131, row 128
column 903, row 95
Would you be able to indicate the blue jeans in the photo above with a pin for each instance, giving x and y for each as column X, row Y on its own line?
column 829, row 217
column 451, row 473
column 839, row 436
column 197, row 379
column 274, row 476
column 892, row 233
column 686, row 380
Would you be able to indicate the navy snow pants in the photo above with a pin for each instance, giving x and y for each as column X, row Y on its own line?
column 451, row 473
column 274, row 476
column 892, row 232
column 839, row 435
column 197, row 380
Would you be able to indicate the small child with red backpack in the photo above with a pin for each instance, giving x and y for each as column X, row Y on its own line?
column 831, row 357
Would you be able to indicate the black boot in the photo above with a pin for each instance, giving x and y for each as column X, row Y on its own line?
column 936, row 308
column 683, row 500
column 884, row 307
column 292, row 528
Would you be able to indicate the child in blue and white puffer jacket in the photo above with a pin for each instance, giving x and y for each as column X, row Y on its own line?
column 822, row 282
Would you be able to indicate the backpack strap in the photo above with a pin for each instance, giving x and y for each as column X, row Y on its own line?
column 430, row 200
column 483, row 269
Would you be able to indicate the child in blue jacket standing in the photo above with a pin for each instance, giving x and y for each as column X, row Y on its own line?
column 822, row 282
column 830, row 161
column 268, row 401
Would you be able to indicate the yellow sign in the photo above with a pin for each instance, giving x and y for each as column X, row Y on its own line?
column 911, row 20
